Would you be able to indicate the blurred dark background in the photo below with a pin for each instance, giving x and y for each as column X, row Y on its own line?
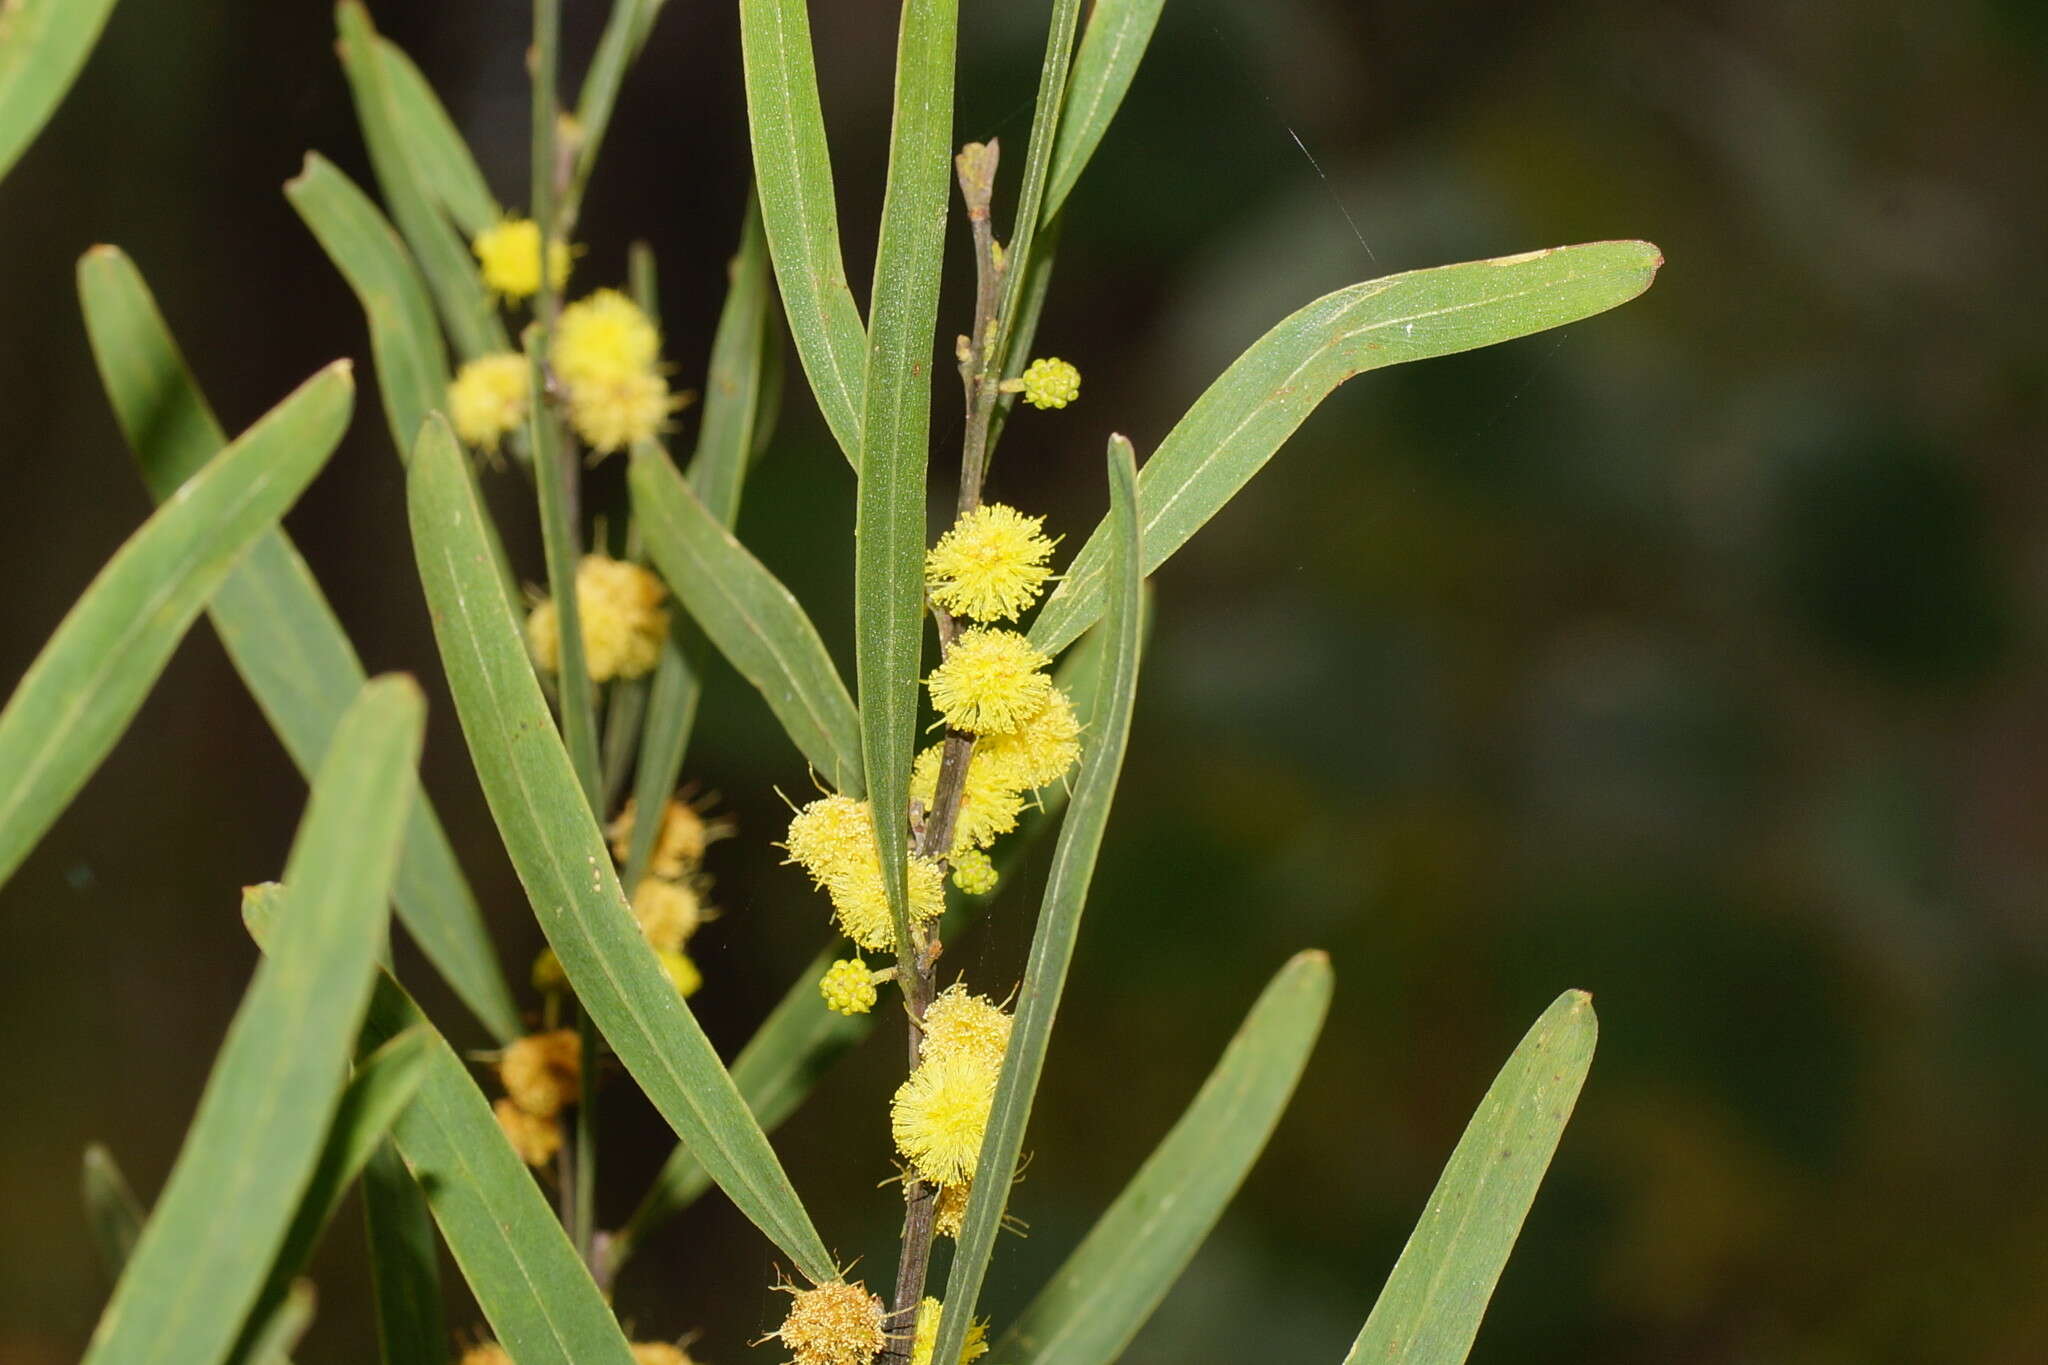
column 1691, row 655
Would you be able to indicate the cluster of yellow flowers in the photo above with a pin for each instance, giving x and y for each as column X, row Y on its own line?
column 541, row 1074
column 833, row 839
column 605, row 353
column 669, row 901
column 940, row 1113
column 1047, row 382
column 927, row 1339
column 834, row 1324
column 621, row 617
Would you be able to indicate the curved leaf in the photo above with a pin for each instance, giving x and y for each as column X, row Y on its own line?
column 86, row 685
column 113, row 1215
column 277, row 626
column 560, row 855
column 405, row 1264
column 1111, row 48
column 1059, row 915
column 756, row 622
column 793, row 169
column 1429, row 1312
column 1234, row 427
column 43, row 45
column 253, row 1144
column 447, row 169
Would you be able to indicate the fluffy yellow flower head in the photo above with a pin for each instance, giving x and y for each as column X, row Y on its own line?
column 991, row 565
column 547, row 974
column 659, row 1353
column 927, row 1339
column 989, row 801
column 848, row 987
column 973, row 872
column 536, row 1139
column 949, row 1212
column 682, row 973
column 678, row 846
column 991, row 682
column 939, row 1115
column 540, row 1071
column 668, row 912
column 1050, row 382
column 835, row 1324
column 601, row 335
column 486, row 1353
column 960, row 1024
column 488, row 399
column 623, row 621
column 508, row 253
column 613, row 412
column 1039, row 751
column 833, row 839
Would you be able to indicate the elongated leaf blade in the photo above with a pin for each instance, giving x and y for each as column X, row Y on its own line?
column 254, row 1142
column 383, row 1085
column 533, row 1288
column 281, row 1330
column 625, row 33
column 1111, row 47
column 405, row 1271
column 736, row 399
column 1096, row 1302
column 560, row 856
column 1429, row 1312
column 43, row 46
column 793, row 169
column 447, row 169
column 113, row 1215
column 755, row 622
column 86, row 685
column 1269, row 391
column 465, row 306
column 1059, row 915
column 889, row 531
column 276, row 623
column 405, row 338
column 1032, row 205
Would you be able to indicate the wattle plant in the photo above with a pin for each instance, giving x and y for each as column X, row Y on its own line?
column 498, row 357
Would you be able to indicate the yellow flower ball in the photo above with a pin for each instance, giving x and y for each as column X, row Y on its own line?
column 960, row 1024
column 835, row 1324
column 613, row 412
column 833, row 840
column 1040, row 751
column 488, row 399
column 989, row 802
column 927, row 1340
column 991, row 565
column 668, row 912
column 973, row 872
column 848, row 987
column 603, row 335
column 547, row 975
column 991, row 682
column 541, row 1072
column 622, row 617
column 508, row 254
column 949, row 1211
column 659, row 1353
column 680, row 843
column 1050, row 382
column 535, row 1138
column 939, row 1115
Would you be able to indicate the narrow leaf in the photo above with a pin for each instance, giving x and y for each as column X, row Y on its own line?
column 43, row 45
column 1096, row 1302
column 793, row 169
column 285, row 1326
column 113, row 1215
column 1032, row 207
column 533, row 1289
column 277, row 626
column 1111, row 48
column 1429, row 1312
column 447, row 169
column 1234, row 427
column 889, row 531
column 625, row 33
column 559, row 853
column 451, row 272
column 86, row 685
column 756, row 622
column 254, row 1142
column 381, row 1088
column 405, row 338
column 405, row 1271
column 1059, row 915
